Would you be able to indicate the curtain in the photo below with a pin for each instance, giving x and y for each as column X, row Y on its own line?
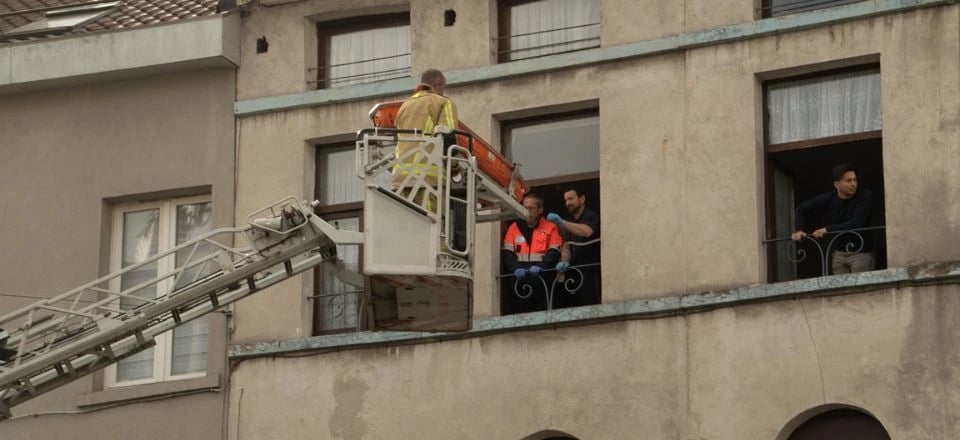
column 552, row 26
column 368, row 55
column 339, row 307
column 141, row 230
column 825, row 106
column 190, row 339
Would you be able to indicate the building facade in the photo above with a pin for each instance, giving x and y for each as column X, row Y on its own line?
column 695, row 128
column 118, row 136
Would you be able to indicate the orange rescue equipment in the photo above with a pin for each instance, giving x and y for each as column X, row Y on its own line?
column 489, row 160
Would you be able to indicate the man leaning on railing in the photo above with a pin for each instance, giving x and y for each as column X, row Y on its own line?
column 844, row 209
column 581, row 236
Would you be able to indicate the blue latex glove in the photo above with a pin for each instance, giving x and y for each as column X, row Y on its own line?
column 563, row 266
column 535, row 271
column 520, row 273
column 556, row 219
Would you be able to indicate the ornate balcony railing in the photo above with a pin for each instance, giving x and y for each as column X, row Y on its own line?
column 569, row 282
column 848, row 240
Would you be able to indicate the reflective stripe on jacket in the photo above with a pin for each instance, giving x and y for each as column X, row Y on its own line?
column 423, row 111
column 543, row 238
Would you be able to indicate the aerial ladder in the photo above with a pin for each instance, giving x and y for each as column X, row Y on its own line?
column 417, row 265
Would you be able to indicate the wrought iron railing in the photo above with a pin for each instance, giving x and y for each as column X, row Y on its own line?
column 855, row 242
column 511, row 53
column 526, row 288
column 329, row 80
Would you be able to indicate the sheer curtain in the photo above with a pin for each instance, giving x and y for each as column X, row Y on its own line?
column 552, row 26
column 141, row 240
column 824, row 106
column 190, row 339
column 368, row 55
column 339, row 305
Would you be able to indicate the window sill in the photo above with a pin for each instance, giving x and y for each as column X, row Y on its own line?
column 135, row 392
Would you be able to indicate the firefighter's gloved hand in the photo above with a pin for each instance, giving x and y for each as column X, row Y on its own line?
column 556, row 219
column 562, row 266
column 520, row 273
column 534, row 271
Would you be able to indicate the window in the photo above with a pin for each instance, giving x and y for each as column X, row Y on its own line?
column 64, row 19
column 363, row 50
column 814, row 123
column 773, row 8
column 337, row 306
column 571, row 141
column 140, row 231
column 536, row 28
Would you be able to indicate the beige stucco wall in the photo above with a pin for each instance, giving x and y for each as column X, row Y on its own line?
column 681, row 157
column 68, row 155
column 733, row 373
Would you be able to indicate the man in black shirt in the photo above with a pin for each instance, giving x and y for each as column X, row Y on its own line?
column 581, row 236
column 843, row 209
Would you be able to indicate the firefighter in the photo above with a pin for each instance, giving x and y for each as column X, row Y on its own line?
column 423, row 111
column 529, row 247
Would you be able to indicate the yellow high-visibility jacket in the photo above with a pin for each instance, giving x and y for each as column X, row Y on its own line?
column 423, row 111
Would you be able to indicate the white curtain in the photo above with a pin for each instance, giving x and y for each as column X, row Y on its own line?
column 141, row 230
column 368, row 55
column 824, row 106
column 339, row 305
column 553, row 26
column 338, row 177
column 190, row 339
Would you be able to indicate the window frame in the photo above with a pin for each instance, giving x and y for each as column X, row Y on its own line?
column 332, row 213
column 505, row 135
column 503, row 48
column 766, row 7
column 162, row 365
column 770, row 214
column 327, row 29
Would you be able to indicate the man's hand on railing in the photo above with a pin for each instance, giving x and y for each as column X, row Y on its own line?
column 797, row 236
column 535, row 271
column 819, row 233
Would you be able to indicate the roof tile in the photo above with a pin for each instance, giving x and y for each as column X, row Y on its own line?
column 130, row 14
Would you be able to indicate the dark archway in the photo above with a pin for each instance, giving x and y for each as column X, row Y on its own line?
column 550, row 434
column 840, row 424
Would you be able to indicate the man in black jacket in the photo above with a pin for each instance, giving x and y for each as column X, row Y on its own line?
column 841, row 210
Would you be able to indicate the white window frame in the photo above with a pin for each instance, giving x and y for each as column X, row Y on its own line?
column 162, row 364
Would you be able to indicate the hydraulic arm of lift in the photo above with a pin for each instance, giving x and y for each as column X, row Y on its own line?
column 55, row 341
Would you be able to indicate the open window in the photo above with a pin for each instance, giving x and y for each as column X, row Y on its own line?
column 814, row 123
column 556, row 152
column 363, row 49
column 841, row 423
column 774, row 8
column 337, row 306
column 535, row 28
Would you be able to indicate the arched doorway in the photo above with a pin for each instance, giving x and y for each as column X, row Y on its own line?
column 550, row 434
column 840, row 424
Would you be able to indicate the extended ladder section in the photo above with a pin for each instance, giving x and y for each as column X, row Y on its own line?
column 57, row 340
column 421, row 204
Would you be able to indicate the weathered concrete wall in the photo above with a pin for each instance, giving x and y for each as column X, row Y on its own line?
column 681, row 149
column 732, row 373
column 69, row 153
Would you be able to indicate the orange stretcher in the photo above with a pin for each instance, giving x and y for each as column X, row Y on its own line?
column 489, row 160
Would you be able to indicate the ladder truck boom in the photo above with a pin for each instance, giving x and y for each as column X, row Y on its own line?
column 417, row 268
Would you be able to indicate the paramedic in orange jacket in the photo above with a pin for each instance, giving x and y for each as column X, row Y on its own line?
column 423, row 111
column 529, row 247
